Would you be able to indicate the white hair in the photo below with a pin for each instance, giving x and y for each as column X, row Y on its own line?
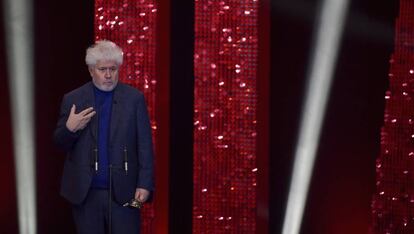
column 103, row 51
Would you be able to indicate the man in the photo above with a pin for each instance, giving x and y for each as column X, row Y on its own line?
column 105, row 130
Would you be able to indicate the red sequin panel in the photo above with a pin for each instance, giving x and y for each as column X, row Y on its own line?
column 132, row 25
column 393, row 203
column 225, row 67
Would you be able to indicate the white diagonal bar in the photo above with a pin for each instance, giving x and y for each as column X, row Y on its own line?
column 323, row 61
column 18, row 18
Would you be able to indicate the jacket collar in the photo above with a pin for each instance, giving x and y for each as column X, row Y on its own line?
column 89, row 98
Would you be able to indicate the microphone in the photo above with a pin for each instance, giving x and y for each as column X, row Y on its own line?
column 96, row 155
column 126, row 160
column 96, row 159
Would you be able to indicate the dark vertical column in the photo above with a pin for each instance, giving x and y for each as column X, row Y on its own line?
column 8, row 201
column 292, row 23
column 263, row 91
column 162, row 166
column 62, row 33
column 181, row 116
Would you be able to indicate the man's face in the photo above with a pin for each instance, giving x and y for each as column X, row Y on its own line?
column 104, row 75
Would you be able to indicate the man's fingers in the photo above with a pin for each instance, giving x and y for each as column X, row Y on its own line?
column 142, row 197
column 84, row 122
column 90, row 115
column 86, row 111
column 141, row 194
column 72, row 109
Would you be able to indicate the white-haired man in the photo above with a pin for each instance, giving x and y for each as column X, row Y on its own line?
column 105, row 130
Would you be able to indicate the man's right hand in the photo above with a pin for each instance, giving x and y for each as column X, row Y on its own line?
column 79, row 121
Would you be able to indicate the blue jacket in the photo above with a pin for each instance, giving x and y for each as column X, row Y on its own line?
column 129, row 140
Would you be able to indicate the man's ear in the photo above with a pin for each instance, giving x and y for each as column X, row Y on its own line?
column 90, row 69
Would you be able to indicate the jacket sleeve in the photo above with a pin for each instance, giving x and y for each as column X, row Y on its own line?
column 145, row 148
column 64, row 138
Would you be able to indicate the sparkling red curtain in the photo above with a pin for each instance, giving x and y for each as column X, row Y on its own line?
column 225, row 67
column 225, row 100
column 393, row 202
column 132, row 25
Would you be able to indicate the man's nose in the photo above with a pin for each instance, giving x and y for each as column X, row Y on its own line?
column 107, row 73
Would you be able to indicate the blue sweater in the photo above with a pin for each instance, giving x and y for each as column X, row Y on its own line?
column 103, row 106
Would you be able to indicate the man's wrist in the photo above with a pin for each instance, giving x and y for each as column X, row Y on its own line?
column 71, row 131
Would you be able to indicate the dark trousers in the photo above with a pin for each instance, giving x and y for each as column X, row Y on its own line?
column 91, row 217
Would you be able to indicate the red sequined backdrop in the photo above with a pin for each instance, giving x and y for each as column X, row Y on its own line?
column 225, row 68
column 132, row 25
column 393, row 203
column 225, row 61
